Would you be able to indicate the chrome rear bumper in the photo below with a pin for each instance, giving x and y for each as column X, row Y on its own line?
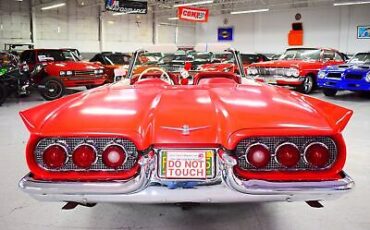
column 145, row 188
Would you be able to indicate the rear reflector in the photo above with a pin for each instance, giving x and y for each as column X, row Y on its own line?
column 317, row 154
column 258, row 155
column 84, row 156
column 54, row 156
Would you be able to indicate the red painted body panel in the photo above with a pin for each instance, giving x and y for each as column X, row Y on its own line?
column 230, row 111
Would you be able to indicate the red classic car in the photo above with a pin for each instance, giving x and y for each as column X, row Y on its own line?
column 221, row 138
column 61, row 69
column 297, row 67
column 224, row 62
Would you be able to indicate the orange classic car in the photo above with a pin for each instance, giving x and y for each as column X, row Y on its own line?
column 219, row 138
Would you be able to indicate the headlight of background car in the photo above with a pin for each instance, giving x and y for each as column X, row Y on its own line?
column 321, row 74
column 367, row 77
column 69, row 73
column 101, row 71
column 62, row 73
column 252, row 71
column 292, row 72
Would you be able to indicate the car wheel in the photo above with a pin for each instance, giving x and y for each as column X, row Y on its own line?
column 329, row 92
column 308, row 85
column 51, row 88
column 3, row 93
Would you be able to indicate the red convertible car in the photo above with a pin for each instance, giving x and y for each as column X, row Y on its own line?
column 297, row 67
column 219, row 138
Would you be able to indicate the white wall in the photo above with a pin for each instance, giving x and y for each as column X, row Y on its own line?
column 267, row 32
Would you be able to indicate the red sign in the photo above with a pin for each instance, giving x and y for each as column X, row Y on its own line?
column 193, row 14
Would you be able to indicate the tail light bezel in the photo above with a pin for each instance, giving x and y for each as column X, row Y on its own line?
column 279, row 147
column 305, row 155
column 88, row 145
column 67, row 156
column 110, row 145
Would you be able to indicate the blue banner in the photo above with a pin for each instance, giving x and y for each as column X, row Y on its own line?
column 225, row 34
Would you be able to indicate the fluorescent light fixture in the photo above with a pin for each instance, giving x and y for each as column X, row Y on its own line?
column 193, row 3
column 348, row 3
column 174, row 18
column 249, row 11
column 53, row 6
column 123, row 13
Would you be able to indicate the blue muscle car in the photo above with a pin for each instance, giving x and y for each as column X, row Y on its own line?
column 353, row 76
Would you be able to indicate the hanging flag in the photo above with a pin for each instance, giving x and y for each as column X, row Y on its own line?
column 193, row 14
column 225, row 34
column 127, row 6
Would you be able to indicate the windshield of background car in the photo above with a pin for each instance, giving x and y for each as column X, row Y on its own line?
column 50, row 55
column 117, row 59
column 360, row 58
column 70, row 56
column 178, row 61
column 301, row 54
column 149, row 58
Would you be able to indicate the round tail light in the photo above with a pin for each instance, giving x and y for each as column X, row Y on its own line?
column 55, row 156
column 258, row 155
column 287, row 154
column 84, row 156
column 317, row 154
column 114, row 156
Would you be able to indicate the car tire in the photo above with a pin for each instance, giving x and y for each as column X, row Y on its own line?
column 52, row 88
column 3, row 93
column 308, row 85
column 329, row 92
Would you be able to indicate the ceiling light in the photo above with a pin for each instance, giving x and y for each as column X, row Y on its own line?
column 193, row 3
column 348, row 3
column 249, row 11
column 123, row 13
column 53, row 6
column 174, row 18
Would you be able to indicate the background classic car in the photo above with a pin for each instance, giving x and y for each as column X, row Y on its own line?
column 61, row 69
column 354, row 76
column 297, row 67
column 211, row 141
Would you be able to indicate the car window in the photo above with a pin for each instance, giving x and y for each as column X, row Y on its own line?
column 50, row 55
column 338, row 57
column 328, row 55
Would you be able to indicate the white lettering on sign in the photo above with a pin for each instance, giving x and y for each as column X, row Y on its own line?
column 186, row 165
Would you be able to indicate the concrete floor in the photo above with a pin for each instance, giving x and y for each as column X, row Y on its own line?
column 19, row 211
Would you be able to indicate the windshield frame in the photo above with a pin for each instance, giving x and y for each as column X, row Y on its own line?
column 235, row 53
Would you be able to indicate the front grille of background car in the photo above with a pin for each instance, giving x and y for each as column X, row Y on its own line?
column 84, row 73
column 334, row 75
column 98, row 143
column 353, row 76
column 271, row 71
column 273, row 142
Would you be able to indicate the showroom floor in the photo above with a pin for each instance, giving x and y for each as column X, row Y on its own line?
column 19, row 211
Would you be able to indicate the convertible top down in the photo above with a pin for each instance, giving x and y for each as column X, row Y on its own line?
column 217, row 137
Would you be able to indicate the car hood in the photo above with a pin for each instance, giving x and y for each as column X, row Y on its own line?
column 71, row 65
column 156, row 114
column 284, row 64
column 349, row 67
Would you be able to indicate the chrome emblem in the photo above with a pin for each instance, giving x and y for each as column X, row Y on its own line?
column 185, row 129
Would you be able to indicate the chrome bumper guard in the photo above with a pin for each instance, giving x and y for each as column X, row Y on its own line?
column 145, row 188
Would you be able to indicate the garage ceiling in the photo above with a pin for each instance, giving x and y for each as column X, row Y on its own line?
column 166, row 7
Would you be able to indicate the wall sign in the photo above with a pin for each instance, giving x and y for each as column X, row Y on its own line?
column 363, row 32
column 127, row 6
column 225, row 34
column 193, row 14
